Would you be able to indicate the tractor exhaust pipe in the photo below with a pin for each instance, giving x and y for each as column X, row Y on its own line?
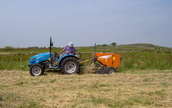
column 50, row 50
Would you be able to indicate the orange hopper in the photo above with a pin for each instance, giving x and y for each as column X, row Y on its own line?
column 109, row 59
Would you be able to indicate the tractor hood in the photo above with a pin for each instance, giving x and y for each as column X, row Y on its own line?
column 39, row 58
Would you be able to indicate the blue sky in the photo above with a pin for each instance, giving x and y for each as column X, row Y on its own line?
column 31, row 22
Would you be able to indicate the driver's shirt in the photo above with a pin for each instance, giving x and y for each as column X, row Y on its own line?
column 69, row 50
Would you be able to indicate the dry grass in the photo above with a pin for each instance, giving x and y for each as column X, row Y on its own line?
column 151, row 89
column 89, row 69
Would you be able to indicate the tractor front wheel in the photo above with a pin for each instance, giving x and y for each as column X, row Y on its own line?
column 36, row 70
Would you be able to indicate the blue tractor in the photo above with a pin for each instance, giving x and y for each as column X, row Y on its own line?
column 67, row 63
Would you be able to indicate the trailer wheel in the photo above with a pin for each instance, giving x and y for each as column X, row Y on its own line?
column 110, row 70
column 70, row 65
column 36, row 70
column 105, row 70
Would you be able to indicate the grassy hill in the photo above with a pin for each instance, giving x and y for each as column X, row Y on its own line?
column 141, row 45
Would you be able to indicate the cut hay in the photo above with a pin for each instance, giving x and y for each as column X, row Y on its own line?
column 90, row 68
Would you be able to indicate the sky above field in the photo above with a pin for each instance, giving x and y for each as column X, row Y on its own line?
column 26, row 23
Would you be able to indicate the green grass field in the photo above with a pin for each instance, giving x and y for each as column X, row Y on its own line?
column 143, row 81
column 134, row 56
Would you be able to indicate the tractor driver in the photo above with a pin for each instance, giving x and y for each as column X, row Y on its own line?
column 69, row 49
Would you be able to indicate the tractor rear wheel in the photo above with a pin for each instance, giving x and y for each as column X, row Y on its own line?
column 70, row 65
column 36, row 70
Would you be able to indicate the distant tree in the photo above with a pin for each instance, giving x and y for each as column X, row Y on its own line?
column 8, row 47
column 114, row 44
column 104, row 45
column 34, row 47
